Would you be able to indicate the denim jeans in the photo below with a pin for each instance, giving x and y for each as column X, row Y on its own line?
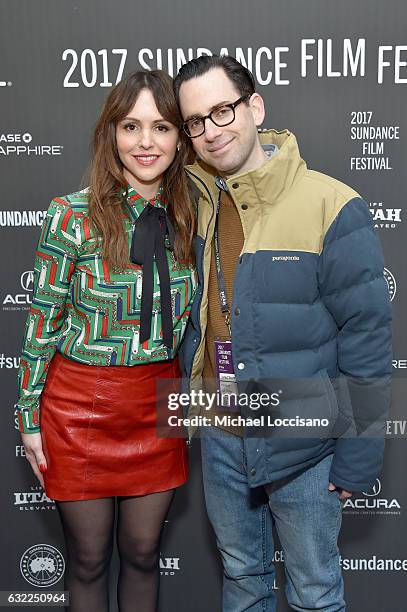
column 307, row 518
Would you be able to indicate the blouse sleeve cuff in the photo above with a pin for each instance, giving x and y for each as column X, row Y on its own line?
column 29, row 419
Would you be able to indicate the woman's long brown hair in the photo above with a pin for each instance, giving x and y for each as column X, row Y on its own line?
column 106, row 179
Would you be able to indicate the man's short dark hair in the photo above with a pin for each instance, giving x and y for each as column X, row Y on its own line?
column 240, row 76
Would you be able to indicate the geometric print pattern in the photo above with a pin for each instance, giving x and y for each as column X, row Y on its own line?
column 87, row 311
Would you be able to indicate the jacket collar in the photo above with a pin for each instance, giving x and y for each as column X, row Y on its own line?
column 269, row 182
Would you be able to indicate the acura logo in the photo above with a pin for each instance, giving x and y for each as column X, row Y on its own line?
column 27, row 279
column 375, row 490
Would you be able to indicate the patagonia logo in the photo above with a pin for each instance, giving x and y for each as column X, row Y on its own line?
column 286, row 258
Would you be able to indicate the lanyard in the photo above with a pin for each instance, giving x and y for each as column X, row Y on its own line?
column 224, row 305
column 270, row 151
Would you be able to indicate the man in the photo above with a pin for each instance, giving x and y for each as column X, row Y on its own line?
column 291, row 284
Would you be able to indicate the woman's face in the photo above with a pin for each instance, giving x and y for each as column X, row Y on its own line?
column 146, row 144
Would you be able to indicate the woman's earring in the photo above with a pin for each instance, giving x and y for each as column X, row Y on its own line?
column 178, row 147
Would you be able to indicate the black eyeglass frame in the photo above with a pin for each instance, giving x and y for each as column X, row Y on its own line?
column 232, row 106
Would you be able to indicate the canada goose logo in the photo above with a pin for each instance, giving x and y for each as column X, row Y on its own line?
column 42, row 565
column 391, row 283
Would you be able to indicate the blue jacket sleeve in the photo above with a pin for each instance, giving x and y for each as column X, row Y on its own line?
column 355, row 292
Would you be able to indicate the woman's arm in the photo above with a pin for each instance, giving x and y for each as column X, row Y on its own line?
column 54, row 265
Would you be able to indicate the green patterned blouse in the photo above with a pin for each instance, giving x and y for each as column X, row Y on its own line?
column 85, row 310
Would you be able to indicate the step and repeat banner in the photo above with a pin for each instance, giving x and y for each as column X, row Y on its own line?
column 335, row 73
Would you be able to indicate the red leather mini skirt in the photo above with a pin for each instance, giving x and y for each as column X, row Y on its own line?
column 98, row 427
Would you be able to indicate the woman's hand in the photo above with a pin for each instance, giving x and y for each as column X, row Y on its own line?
column 33, row 451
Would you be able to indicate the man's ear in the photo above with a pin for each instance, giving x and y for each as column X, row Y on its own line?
column 256, row 104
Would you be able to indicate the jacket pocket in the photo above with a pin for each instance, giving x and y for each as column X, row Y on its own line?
column 344, row 424
column 332, row 399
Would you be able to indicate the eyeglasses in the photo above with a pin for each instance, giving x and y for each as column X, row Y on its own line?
column 221, row 116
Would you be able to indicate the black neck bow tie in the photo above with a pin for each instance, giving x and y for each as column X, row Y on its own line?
column 153, row 233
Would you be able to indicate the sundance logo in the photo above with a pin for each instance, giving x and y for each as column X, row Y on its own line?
column 22, row 145
column 372, row 502
column 8, row 362
column 22, row 218
column 16, row 423
column 278, row 556
column 374, row 564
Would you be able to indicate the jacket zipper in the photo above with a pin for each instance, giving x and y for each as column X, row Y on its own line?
column 203, row 258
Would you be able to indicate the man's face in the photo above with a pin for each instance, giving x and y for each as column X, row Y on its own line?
column 234, row 148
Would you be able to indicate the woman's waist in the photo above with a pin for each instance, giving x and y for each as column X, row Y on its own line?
column 70, row 366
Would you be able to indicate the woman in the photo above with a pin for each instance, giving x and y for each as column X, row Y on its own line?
column 113, row 288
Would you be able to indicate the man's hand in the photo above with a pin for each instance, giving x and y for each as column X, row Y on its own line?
column 33, row 450
column 343, row 494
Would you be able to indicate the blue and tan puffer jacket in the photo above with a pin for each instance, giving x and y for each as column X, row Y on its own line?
column 309, row 300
